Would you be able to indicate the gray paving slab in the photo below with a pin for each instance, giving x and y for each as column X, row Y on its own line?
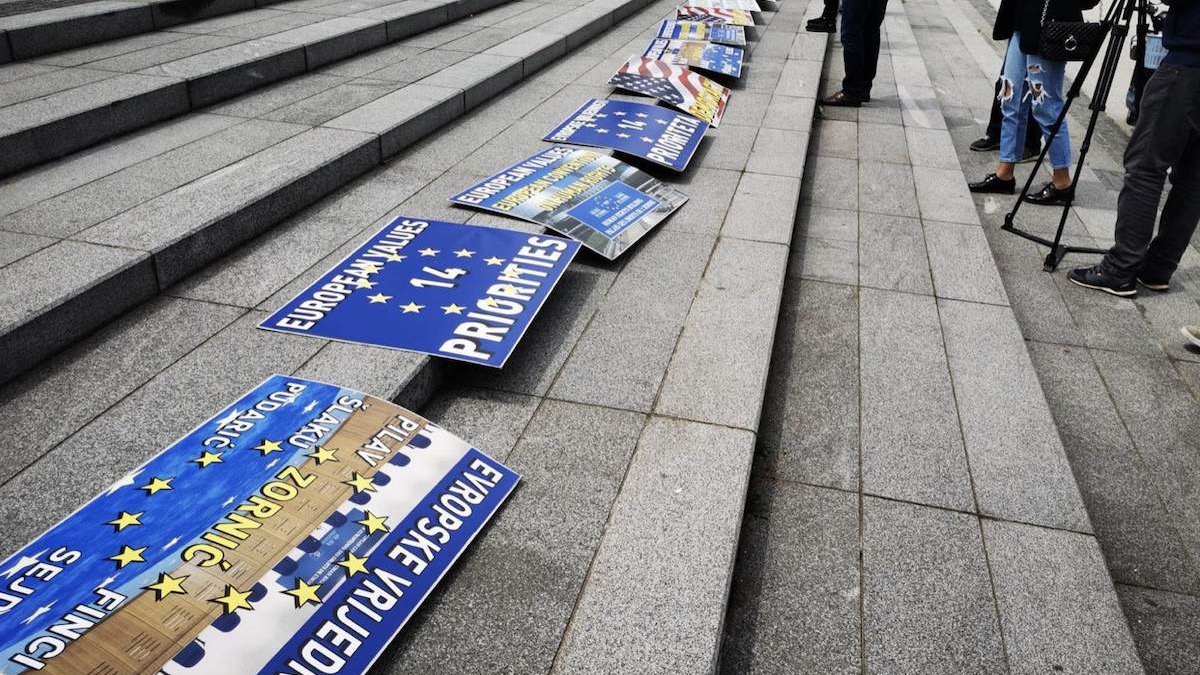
column 143, row 423
column 84, row 282
column 190, row 226
column 763, row 208
column 479, row 77
column 644, row 607
column 823, row 223
column 99, row 372
column 710, row 193
column 278, row 95
column 831, row 180
column 46, row 128
column 737, row 303
column 335, row 39
column 794, row 606
column 30, row 187
column 573, row 459
column 14, row 246
column 76, row 210
column 881, row 143
column 1020, row 470
column 942, row 195
column 961, row 263
column 49, row 82
column 223, row 73
column 886, row 188
column 892, row 254
column 1159, row 410
column 174, row 14
column 835, row 138
column 1166, row 627
column 927, row 596
column 830, row 260
column 649, row 300
column 810, row 422
column 50, row 30
column 190, row 45
column 1141, row 542
column 777, row 151
column 789, row 112
column 912, row 448
column 933, row 148
column 1057, row 607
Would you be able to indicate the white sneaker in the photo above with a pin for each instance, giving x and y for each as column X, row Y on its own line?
column 1192, row 333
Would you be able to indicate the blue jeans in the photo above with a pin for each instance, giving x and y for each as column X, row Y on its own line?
column 1027, row 81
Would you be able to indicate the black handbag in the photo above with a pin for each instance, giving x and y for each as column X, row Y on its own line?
column 1070, row 40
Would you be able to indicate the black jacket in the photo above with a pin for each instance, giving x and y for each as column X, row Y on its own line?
column 1181, row 33
column 1025, row 17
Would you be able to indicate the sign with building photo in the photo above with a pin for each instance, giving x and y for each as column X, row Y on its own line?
column 651, row 132
column 296, row 531
column 589, row 196
column 733, row 17
column 675, row 85
column 459, row 291
column 704, row 55
column 704, row 31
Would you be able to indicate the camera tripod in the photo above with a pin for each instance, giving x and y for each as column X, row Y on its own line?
column 1116, row 28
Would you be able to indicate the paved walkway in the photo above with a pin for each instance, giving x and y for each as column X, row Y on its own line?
column 1121, row 382
column 912, row 509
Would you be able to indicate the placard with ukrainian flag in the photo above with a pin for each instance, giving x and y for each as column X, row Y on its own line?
column 296, row 531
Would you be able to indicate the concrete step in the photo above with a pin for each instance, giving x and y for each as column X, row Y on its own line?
column 32, row 34
column 615, row 554
column 60, row 104
column 98, row 233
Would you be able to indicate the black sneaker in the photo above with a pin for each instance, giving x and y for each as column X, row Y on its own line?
column 1092, row 277
column 1156, row 285
column 1052, row 196
column 993, row 184
column 986, row 144
column 821, row 25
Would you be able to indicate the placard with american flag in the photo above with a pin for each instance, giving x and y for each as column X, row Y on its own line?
column 733, row 17
column 700, row 30
column 677, row 86
column 704, row 55
column 747, row 5
column 300, row 515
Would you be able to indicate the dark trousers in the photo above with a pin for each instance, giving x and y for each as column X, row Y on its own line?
column 861, row 20
column 1167, row 136
column 1033, row 140
column 830, row 11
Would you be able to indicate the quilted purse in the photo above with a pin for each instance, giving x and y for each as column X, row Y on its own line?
column 1070, row 40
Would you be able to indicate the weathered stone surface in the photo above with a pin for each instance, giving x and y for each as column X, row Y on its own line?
column 737, row 303
column 927, row 596
column 1056, row 601
column 644, row 607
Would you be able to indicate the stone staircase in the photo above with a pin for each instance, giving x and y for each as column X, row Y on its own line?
column 136, row 271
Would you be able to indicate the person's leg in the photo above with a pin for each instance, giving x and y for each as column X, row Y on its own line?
column 1159, row 139
column 1045, row 80
column 1033, row 135
column 1011, row 124
column 831, row 10
column 995, row 118
column 853, row 49
column 1182, row 211
column 1012, row 103
column 871, row 41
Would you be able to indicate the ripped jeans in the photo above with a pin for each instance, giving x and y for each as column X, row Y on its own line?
column 1029, row 80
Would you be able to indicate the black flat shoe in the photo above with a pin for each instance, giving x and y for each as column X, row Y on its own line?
column 821, row 25
column 844, row 100
column 1052, row 196
column 993, row 184
column 986, row 144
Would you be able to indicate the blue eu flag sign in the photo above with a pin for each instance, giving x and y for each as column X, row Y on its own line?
column 460, row 291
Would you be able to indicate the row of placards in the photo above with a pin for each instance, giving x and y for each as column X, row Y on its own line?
column 298, row 530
